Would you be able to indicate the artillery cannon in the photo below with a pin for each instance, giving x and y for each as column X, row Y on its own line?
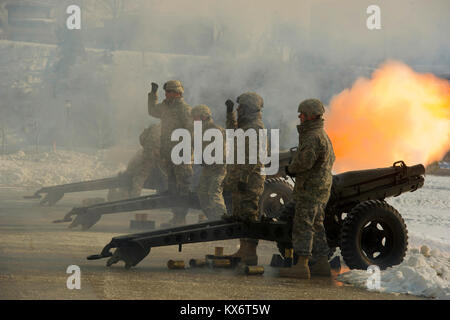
column 122, row 180
column 357, row 219
column 277, row 192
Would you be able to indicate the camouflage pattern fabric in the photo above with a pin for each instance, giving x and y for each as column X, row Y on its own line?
column 210, row 192
column 312, row 166
column 210, row 186
column 245, row 203
column 141, row 166
column 174, row 114
column 308, row 233
column 138, row 170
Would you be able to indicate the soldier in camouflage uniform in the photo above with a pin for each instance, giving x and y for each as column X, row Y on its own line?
column 174, row 113
column 246, row 180
column 143, row 165
column 210, row 189
column 311, row 166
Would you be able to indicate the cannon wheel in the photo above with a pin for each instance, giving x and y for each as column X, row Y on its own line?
column 277, row 192
column 373, row 233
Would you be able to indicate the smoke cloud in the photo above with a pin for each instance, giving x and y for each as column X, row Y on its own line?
column 286, row 52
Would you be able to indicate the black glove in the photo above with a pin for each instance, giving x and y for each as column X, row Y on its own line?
column 230, row 105
column 286, row 169
column 242, row 186
column 154, row 87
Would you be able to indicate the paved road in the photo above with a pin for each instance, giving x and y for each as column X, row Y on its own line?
column 35, row 254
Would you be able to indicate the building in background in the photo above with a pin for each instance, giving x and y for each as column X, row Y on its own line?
column 30, row 21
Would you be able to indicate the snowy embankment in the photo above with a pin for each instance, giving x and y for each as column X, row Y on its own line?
column 425, row 270
column 51, row 168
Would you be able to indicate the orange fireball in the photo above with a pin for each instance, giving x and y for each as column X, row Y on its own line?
column 398, row 114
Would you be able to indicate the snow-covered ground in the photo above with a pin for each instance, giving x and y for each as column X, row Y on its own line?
column 51, row 168
column 427, row 216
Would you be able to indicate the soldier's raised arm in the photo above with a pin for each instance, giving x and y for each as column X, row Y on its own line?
column 304, row 159
column 231, row 115
column 154, row 108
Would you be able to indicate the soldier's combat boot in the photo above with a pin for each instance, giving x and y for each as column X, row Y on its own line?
column 321, row 268
column 299, row 270
column 247, row 252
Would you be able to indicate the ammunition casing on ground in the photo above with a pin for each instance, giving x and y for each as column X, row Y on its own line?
column 288, row 257
column 221, row 263
column 218, row 251
column 289, row 253
column 175, row 264
column 196, row 263
column 254, row 270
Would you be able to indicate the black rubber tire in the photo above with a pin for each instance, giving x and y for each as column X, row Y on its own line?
column 362, row 238
column 277, row 193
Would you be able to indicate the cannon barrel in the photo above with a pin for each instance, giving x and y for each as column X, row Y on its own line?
column 375, row 184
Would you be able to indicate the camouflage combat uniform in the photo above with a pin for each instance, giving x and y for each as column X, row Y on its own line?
column 210, row 185
column 312, row 168
column 245, row 203
column 143, row 165
column 148, row 159
column 174, row 114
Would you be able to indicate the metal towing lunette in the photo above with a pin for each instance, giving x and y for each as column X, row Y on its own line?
column 372, row 233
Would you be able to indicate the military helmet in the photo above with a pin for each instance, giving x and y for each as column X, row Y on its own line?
column 201, row 110
column 251, row 100
column 173, row 85
column 311, row 107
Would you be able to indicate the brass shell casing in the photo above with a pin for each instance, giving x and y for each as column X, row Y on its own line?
column 175, row 264
column 196, row 263
column 254, row 270
column 221, row 263
column 218, row 251
column 289, row 253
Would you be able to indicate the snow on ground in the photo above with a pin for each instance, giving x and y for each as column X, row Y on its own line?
column 52, row 168
column 426, row 275
column 427, row 216
column 427, row 213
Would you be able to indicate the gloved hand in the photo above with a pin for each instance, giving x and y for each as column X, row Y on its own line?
column 154, row 87
column 242, row 186
column 286, row 169
column 230, row 105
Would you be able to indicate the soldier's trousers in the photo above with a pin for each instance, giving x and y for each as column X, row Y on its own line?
column 139, row 176
column 246, row 204
column 179, row 181
column 308, row 233
column 210, row 191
